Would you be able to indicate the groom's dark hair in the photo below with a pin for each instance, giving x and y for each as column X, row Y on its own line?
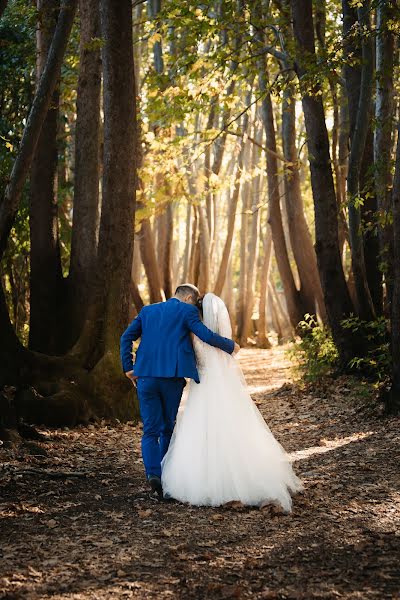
column 187, row 289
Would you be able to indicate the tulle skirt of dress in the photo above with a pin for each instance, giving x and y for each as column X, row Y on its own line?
column 222, row 450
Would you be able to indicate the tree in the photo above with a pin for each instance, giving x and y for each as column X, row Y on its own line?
column 36, row 118
column 393, row 397
column 86, row 209
column 46, row 280
column 77, row 386
column 336, row 294
column 385, row 13
column 358, row 140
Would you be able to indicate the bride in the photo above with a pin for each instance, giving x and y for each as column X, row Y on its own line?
column 221, row 449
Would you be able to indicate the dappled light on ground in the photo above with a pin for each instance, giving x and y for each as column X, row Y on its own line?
column 97, row 535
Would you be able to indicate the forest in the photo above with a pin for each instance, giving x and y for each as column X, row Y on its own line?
column 248, row 147
column 252, row 148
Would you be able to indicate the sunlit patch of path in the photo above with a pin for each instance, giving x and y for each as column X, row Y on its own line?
column 265, row 370
column 329, row 445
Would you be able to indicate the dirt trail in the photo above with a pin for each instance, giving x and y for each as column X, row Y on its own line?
column 100, row 537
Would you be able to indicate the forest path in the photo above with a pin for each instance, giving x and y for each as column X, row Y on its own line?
column 101, row 537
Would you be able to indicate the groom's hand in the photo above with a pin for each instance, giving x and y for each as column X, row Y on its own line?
column 132, row 377
column 236, row 349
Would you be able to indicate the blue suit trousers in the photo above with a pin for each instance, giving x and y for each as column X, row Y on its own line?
column 159, row 399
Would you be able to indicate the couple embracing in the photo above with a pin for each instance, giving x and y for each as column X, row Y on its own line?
column 219, row 448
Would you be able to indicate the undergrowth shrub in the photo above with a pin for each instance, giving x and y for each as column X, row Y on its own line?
column 316, row 355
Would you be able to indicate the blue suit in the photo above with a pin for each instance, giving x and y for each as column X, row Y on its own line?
column 164, row 358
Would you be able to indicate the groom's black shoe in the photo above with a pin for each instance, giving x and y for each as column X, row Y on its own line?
column 156, row 487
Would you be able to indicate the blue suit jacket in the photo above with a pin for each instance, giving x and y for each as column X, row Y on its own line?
column 165, row 348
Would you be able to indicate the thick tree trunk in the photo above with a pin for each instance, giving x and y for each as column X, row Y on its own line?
column 358, row 139
column 393, row 397
column 86, row 210
column 385, row 11
column 119, row 177
column 336, row 295
column 300, row 238
column 46, row 281
column 68, row 393
column 369, row 212
column 36, row 118
column 109, row 311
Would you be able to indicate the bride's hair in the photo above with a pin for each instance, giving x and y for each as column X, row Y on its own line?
column 199, row 304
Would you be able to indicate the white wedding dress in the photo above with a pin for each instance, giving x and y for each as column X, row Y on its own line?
column 221, row 449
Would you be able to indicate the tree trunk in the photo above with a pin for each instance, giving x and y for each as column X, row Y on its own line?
column 262, row 340
column 244, row 225
column 393, row 397
column 300, row 238
column 186, row 256
column 336, row 295
column 86, row 210
column 118, row 205
column 252, row 249
column 295, row 309
column 233, row 204
column 149, row 259
column 358, row 139
column 167, row 264
column 109, row 312
column 88, row 383
column 369, row 212
column 385, row 12
column 204, row 251
column 46, row 281
column 36, row 118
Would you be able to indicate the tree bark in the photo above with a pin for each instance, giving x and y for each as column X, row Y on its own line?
column 149, row 259
column 369, row 214
column 119, row 177
column 109, row 312
column 295, row 309
column 86, row 210
column 46, row 281
column 186, row 256
column 358, row 139
column 233, row 204
column 385, row 11
column 252, row 249
column 36, row 118
column 336, row 295
column 262, row 340
column 393, row 397
column 300, row 238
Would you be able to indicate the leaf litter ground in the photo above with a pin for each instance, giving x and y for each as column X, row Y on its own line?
column 96, row 534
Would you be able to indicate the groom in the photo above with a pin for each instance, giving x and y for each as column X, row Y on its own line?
column 164, row 358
